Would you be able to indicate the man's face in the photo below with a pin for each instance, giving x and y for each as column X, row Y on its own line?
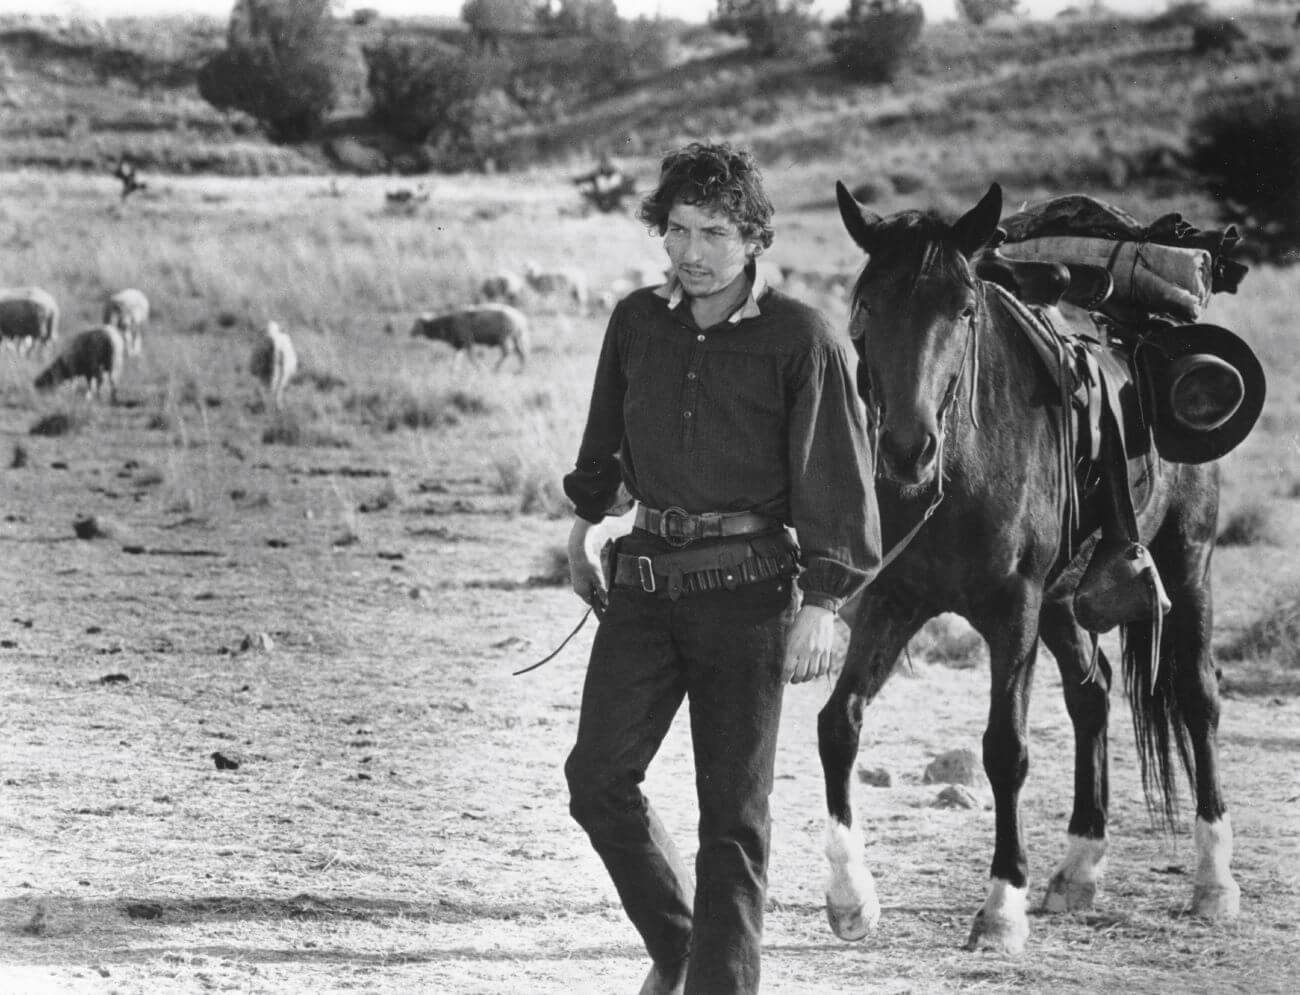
column 707, row 250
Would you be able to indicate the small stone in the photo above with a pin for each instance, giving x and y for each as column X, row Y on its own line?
column 956, row 796
column 877, row 777
column 954, row 767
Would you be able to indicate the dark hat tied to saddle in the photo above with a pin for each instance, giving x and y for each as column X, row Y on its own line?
column 1207, row 388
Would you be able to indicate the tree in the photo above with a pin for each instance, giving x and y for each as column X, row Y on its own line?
column 772, row 27
column 1247, row 154
column 490, row 21
column 595, row 18
column 980, row 12
column 279, row 66
column 873, row 38
column 421, row 89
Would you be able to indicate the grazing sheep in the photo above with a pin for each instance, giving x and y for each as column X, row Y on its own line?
column 274, row 361
column 567, row 285
column 95, row 355
column 497, row 325
column 28, row 316
column 505, row 288
column 128, row 311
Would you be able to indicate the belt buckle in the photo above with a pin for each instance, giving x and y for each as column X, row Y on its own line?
column 675, row 537
column 646, row 572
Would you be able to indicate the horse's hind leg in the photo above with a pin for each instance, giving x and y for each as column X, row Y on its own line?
column 1183, row 555
column 880, row 633
column 1073, row 886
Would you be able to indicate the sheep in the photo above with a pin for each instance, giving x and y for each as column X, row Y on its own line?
column 95, row 355
column 128, row 311
column 497, row 325
column 567, row 284
column 28, row 316
column 274, row 361
column 505, row 288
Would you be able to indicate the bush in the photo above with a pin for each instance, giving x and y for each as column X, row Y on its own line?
column 422, row 89
column 772, row 27
column 1251, row 525
column 871, row 42
column 978, row 12
column 1247, row 155
column 279, row 66
column 1273, row 636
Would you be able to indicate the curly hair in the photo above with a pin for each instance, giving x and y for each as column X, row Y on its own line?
column 717, row 178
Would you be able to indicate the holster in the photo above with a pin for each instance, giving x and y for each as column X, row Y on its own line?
column 727, row 565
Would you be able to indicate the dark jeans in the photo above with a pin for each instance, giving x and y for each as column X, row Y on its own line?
column 722, row 650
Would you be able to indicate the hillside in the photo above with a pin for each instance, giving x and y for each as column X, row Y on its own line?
column 1073, row 103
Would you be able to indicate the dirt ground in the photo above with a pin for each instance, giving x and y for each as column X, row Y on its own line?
column 398, row 820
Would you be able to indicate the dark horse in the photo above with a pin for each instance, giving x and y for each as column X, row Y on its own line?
column 968, row 429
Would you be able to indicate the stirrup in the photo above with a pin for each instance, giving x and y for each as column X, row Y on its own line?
column 1120, row 585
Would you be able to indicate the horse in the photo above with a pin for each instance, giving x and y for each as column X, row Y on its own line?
column 968, row 429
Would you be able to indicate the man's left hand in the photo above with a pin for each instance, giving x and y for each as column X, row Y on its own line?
column 809, row 647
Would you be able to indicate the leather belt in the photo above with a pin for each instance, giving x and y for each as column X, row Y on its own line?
column 728, row 566
column 678, row 527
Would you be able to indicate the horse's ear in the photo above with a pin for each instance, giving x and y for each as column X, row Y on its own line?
column 974, row 228
column 860, row 224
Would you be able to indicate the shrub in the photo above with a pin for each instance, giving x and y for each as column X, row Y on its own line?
column 772, row 27
column 1274, row 635
column 61, row 423
column 421, row 88
column 874, row 38
column 978, row 12
column 1247, row 155
column 1251, row 525
column 279, row 66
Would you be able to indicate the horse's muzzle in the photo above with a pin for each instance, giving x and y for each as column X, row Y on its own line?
column 907, row 459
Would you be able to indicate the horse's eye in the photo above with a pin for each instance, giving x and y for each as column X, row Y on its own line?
column 967, row 313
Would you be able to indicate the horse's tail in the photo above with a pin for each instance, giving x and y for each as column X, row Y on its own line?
column 1159, row 726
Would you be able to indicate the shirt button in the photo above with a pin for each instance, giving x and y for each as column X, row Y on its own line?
column 699, row 338
column 690, row 376
column 686, row 414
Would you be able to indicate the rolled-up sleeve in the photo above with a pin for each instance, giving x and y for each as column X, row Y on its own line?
column 593, row 484
column 832, row 497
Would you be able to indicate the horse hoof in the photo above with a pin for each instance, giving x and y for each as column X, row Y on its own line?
column 1000, row 934
column 1217, row 901
column 854, row 923
column 1064, row 895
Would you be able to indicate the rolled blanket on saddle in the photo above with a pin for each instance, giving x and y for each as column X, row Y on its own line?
column 1149, row 278
column 1167, row 268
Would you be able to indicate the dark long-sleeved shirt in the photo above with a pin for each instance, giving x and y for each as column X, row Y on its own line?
column 757, row 413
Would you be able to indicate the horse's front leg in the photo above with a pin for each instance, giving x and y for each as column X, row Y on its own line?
column 880, row 632
column 1002, row 923
column 1073, row 887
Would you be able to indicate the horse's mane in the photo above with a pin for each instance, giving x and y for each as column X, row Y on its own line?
column 913, row 244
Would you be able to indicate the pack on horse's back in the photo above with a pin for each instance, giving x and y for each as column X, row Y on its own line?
column 1002, row 446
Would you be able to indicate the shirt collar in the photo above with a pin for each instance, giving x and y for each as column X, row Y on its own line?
column 674, row 293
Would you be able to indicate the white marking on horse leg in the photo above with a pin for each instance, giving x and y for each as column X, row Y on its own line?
column 852, row 907
column 1002, row 923
column 1074, row 885
column 1215, row 894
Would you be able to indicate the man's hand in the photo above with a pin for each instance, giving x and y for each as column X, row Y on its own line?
column 585, row 571
column 809, row 646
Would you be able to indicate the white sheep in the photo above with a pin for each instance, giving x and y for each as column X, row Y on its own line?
column 94, row 355
column 274, row 361
column 503, row 288
column 28, row 316
column 498, row 325
column 128, row 311
column 567, row 284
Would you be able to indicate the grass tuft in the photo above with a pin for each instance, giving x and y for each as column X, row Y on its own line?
column 1250, row 525
column 1274, row 635
column 59, row 423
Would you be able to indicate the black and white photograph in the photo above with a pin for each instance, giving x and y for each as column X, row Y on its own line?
column 649, row 497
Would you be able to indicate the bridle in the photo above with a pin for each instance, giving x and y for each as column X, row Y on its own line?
column 876, row 409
